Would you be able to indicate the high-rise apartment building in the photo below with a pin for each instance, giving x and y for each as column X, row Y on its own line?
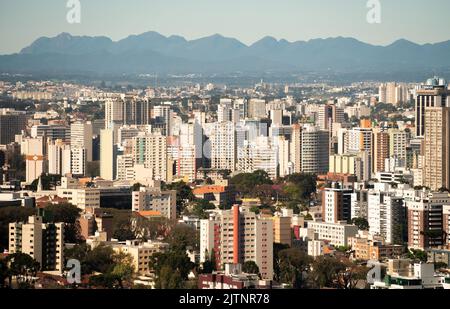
column 44, row 242
column 108, row 155
column 425, row 220
column 386, row 215
column 59, row 158
column 398, row 143
column 436, row 172
column 237, row 236
column 153, row 199
column 393, row 93
column 381, row 152
column 336, row 204
column 81, row 138
column 224, row 146
column 150, row 150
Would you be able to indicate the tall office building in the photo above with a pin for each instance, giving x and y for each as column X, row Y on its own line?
column 114, row 113
column 52, row 132
column 136, row 111
column 44, row 242
column 433, row 94
column 257, row 109
column 11, row 123
column 315, row 150
column 81, row 138
column 436, row 172
column 237, row 236
column 108, row 155
column 329, row 114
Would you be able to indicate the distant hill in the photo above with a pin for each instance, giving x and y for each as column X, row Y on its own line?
column 152, row 52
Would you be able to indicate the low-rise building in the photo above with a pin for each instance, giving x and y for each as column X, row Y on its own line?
column 337, row 234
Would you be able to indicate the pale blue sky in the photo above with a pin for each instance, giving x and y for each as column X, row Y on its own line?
column 22, row 21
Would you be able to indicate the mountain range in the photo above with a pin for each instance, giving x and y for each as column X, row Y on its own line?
column 152, row 52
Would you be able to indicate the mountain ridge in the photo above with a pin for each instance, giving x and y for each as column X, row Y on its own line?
column 158, row 53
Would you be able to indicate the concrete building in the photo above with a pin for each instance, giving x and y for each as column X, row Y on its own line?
column 336, row 233
column 108, row 155
column 59, row 158
column 236, row 236
column 154, row 199
column 256, row 109
column 81, row 138
column 433, row 94
column 314, row 150
column 44, row 242
column 140, row 253
column 282, row 232
column 150, row 150
column 425, row 220
column 386, row 215
column 223, row 146
column 12, row 122
column 436, row 172
column 336, row 204
column 382, row 150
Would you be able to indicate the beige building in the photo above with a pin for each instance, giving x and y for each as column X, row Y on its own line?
column 336, row 233
column 43, row 242
column 437, row 148
column 154, row 199
column 140, row 253
column 150, row 150
column 237, row 236
column 282, row 232
column 108, row 155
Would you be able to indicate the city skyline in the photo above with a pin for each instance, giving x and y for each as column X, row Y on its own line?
column 296, row 21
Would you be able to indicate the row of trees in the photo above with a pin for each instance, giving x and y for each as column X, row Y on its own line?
column 298, row 270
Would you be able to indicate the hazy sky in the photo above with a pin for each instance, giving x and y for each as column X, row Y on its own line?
column 22, row 21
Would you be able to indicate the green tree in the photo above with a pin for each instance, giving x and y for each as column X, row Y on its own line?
column 184, row 194
column 361, row 223
column 417, row 255
column 200, row 206
column 23, row 267
column 246, row 183
column 325, row 271
column 183, row 236
column 292, row 263
column 68, row 214
column 10, row 215
column 171, row 269
column 250, row 267
column 299, row 187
